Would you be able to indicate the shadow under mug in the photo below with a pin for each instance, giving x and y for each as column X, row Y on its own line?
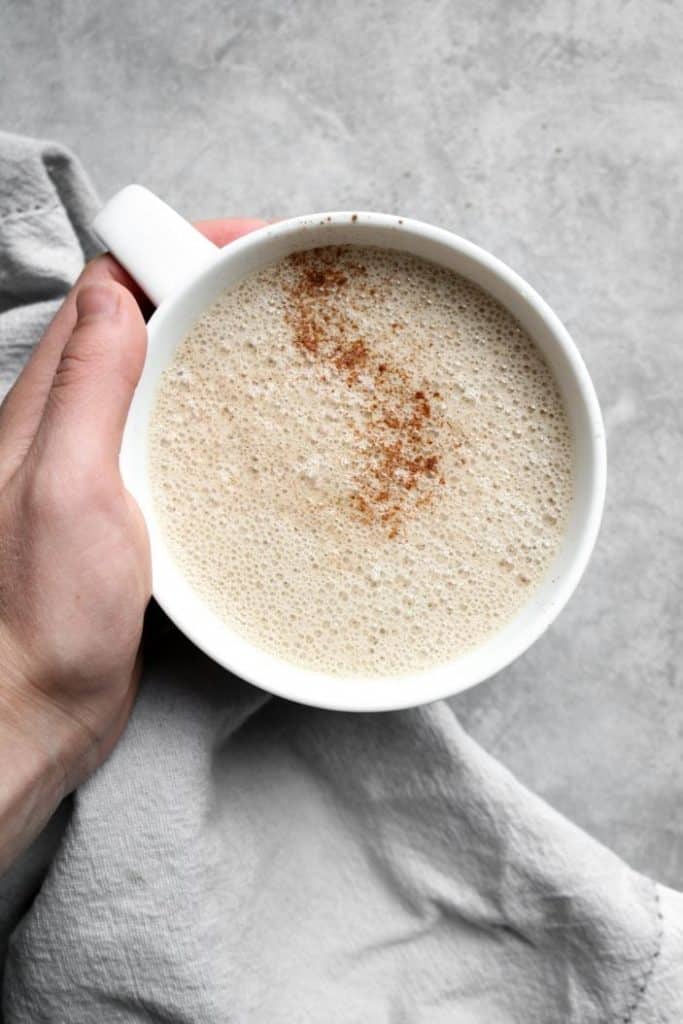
column 183, row 274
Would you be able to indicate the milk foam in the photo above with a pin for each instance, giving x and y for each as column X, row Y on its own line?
column 361, row 461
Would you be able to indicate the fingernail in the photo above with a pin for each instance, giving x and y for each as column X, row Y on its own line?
column 96, row 301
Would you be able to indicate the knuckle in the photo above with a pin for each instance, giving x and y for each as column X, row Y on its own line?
column 80, row 358
column 61, row 490
column 45, row 494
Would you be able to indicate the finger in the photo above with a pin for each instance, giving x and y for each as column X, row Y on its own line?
column 93, row 384
column 22, row 409
column 222, row 232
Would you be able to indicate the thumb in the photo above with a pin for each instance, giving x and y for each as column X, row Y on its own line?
column 98, row 371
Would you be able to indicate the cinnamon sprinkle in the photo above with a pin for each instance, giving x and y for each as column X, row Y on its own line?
column 398, row 472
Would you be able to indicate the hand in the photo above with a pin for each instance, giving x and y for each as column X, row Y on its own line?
column 74, row 556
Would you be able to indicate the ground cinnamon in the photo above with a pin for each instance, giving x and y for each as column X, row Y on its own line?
column 397, row 469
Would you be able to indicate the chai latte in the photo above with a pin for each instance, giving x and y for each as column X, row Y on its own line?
column 361, row 462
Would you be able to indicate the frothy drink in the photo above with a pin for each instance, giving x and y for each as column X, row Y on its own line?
column 361, row 461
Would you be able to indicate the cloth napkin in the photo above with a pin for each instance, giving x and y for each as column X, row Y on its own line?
column 242, row 859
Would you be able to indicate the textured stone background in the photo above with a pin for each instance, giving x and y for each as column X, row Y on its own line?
column 547, row 131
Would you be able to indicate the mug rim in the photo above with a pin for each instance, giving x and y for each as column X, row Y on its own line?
column 325, row 690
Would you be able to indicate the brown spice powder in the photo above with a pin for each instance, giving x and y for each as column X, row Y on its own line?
column 398, row 471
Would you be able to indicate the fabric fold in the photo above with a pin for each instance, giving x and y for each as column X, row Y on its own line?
column 239, row 858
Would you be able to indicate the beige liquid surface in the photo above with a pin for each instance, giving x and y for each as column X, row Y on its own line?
column 361, row 462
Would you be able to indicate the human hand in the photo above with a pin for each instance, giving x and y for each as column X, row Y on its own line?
column 74, row 557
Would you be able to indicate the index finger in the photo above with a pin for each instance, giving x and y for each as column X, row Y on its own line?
column 23, row 406
column 222, row 232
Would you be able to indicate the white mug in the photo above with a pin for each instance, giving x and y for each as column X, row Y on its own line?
column 183, row 274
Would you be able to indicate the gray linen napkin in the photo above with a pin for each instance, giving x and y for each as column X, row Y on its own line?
column 242, row 859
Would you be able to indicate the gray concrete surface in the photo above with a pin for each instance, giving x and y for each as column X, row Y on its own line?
column 550, row 133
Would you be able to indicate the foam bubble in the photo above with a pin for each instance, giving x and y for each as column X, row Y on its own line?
column 361, row 461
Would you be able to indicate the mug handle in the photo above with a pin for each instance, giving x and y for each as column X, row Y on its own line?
column 158, row 248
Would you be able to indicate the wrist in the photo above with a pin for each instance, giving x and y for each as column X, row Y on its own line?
column 33, row 782
column 43, row 755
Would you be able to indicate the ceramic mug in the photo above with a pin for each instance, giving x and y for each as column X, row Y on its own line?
column 183, row 274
